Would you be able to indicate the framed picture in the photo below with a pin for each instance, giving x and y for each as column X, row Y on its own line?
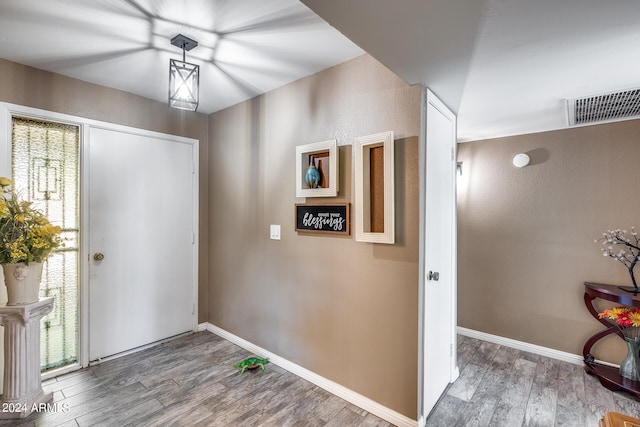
column 329, row 219
column 317, row 169
column 374, row 188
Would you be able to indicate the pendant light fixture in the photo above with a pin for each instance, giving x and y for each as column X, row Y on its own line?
column 184, row 78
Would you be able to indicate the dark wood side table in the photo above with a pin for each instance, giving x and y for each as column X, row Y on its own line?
column 609, row 376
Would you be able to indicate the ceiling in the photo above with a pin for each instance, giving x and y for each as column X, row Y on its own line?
column 504, row 66
column 246, row 47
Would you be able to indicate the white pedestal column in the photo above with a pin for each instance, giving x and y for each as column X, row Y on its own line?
column 22, row 387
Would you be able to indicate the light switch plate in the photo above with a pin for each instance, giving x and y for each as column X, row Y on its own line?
column 275, row 232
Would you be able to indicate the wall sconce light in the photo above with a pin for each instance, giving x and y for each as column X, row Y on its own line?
column 184, row 78
column 459, row 168
column 521, row 160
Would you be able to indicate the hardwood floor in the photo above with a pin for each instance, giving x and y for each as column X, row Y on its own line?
column 501, row 386
column 190, row 381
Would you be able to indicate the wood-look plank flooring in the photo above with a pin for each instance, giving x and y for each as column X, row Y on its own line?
column 501, row 386
column 190, row 381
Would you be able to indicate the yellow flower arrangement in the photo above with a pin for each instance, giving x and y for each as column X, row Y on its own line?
column 627, row 319
column 25, row 234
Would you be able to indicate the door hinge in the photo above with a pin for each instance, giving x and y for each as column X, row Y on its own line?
column 193, row 238
column 453, row 154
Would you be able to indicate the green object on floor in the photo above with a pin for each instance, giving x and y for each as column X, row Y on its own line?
column 250, row 363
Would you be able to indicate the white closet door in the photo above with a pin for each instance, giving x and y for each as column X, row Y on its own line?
column 141, row 221
column 439, row 321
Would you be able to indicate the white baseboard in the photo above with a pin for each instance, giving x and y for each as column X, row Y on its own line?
column 202, row 327
column 525, row 346
column 350, row 396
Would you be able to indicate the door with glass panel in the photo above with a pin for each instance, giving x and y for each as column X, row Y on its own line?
column 141, row 218
column 45, row 169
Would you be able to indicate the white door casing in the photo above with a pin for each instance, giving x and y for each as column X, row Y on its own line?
column 141, row 221
column 438, row 365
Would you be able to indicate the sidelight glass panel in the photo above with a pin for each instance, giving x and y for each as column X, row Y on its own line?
column 45, row 161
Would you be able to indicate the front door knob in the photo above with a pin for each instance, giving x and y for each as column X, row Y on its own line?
column 98, row 256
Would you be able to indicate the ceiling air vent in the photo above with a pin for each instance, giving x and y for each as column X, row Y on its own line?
column 607, row 107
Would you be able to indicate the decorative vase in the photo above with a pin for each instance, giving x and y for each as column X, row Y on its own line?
column 630, row 366
column 23, row 282
column 312, row 177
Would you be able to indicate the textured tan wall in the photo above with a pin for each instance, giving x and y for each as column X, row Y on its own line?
column 345, row 310
column 526, row 236
column 53, row 92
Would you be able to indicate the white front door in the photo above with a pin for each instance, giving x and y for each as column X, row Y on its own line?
column 439, row 283
column 141, row 240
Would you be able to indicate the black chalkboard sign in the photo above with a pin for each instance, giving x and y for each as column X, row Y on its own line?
column 332, row 219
